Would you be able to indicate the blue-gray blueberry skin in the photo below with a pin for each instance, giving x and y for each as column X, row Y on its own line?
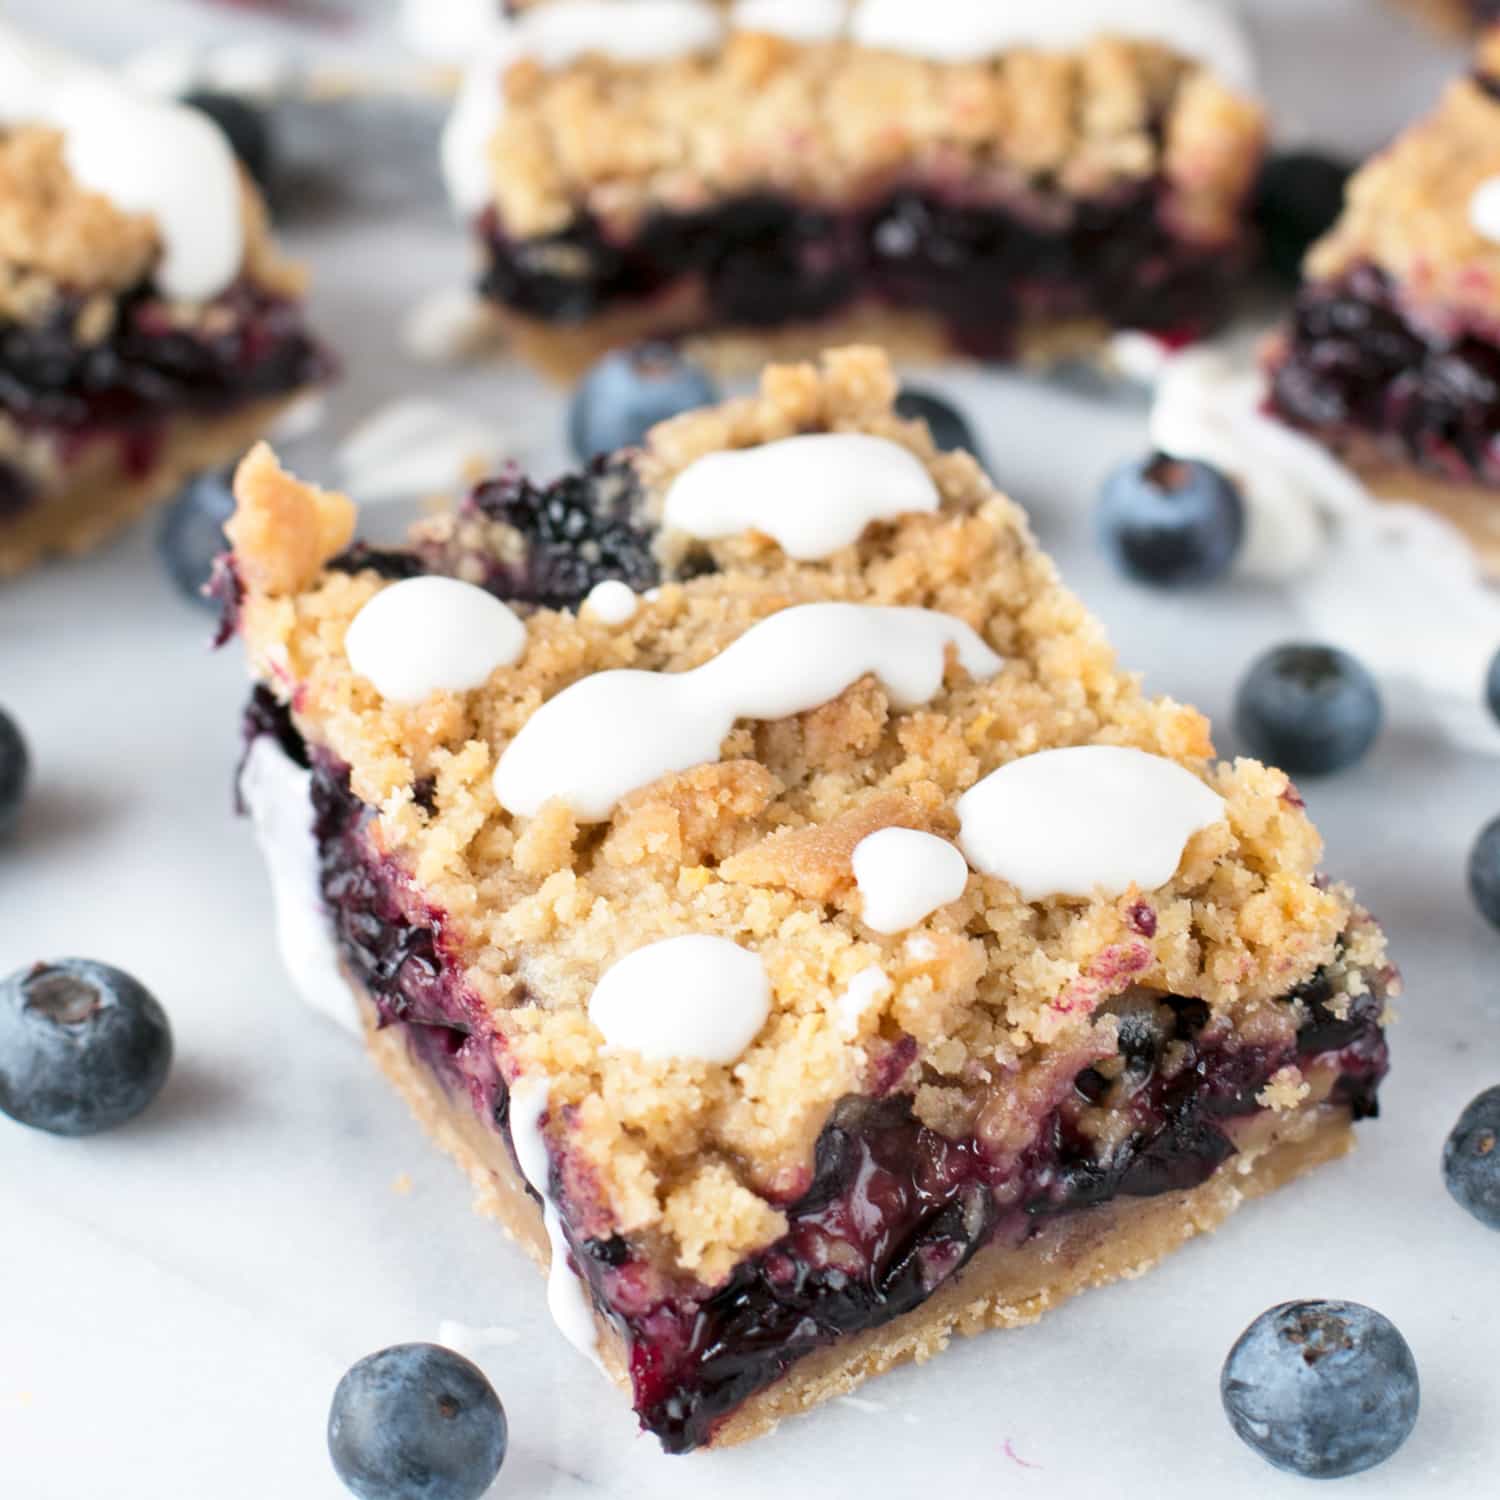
column 1471, row 1159
column 416, row 1422
column 628, row 392
column 15, row 773
column 1321, row 1389
column 949, row 427
column 192, row 533
column 1310, row 709
column 1484, row 872
column 83, row 1047
column 1171, row 522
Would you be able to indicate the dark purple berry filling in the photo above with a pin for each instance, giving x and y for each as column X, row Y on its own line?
column 987, row 270
column 894, row 1210
column 147, row 370
column 1357, row 366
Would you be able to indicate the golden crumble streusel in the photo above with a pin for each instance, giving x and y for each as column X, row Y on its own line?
column 1407, row 209
column 1000, row 996
column 832, row 122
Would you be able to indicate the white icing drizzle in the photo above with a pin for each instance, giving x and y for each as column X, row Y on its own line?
column 860, row 996
column 411, row 449
column 1210, row 407
column 611, row 733
column 1085, row 819
column 1484, row 210
column 568, row 1299
column 970, row 30
column 796, row 20
column 431, row 635
column 145, row 155
column 278, row 794
column 813, row 494
column 612, row 602
column 477, row 112
column 904, row 875
column 449, row 31
column 695, row 998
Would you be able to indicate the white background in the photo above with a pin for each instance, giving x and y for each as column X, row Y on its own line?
column 178, row 1300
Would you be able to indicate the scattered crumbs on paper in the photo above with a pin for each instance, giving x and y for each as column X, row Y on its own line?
column 402, row 1186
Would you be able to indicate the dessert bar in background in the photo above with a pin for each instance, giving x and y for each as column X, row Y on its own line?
column 753, row 867
column 1455, row 17
column 1392, row 354
column 944, row 177
column 148, row 326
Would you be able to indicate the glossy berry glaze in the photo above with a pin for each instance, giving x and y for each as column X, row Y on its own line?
column 986, row 270
column 892, row 1210
column 147, row 370
column 1356, row 366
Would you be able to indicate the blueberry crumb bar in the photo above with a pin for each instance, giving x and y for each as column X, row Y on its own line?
column 1392, row 354
column 942, row 178
column 751, row 864
column 149, row 329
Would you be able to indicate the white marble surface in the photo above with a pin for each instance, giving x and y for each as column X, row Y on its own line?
column 180, row 1298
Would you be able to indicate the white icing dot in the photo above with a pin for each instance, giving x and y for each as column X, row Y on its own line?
column 431, row 635
column 612, row 602
column 568, row 1299
column 1091, row 818
column 609, row 734
column 860, row 996
column 695, row 998
column 145, row 155
column 905, row 875
column 278, row 794
column 796, row 20
column 967, row 30
column 813, row 494
column 1484, row 209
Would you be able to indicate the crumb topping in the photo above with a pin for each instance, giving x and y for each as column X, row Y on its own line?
column 833, row 122
column 1407, row 209
column 58, row 238
column 990, row 998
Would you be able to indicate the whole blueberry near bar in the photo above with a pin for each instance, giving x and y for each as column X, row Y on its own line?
column 949, row 427
column 83, row 1047
column 1321, row 1389
column 15, row 773
column 1471, row 1159
column 246, row 127
column 1492, row 685
column 1484, row 872
column 1309, row 709
column 192, row 533
column 416, row 1422
column 628, row 392
column 1171, row 521
column 1299, row 196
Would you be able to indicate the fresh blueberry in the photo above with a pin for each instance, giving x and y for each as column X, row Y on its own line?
column 1309, row 709
column 246, row 127
column 15, row 772
column 83, row 1047
column 1171, row 521
column 192, row 532
column 1471, row 1159
column 416, row 1422
column 1299, row 196
column 1484, row 872
column 949, row 427
column 1492, row 685
column 628, row 392
column 1321, row 1389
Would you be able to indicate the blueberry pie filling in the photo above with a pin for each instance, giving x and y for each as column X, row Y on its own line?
column 858, row 1124
column 1357, row 365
